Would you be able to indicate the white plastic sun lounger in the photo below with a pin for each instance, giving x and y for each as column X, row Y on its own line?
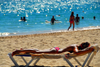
column 54, row 56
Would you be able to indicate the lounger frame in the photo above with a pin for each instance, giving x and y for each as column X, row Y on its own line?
column 86, row 62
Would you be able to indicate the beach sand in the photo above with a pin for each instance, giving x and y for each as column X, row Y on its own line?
column 45, row 41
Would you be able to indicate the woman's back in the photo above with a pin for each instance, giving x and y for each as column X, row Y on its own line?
column 71, row 18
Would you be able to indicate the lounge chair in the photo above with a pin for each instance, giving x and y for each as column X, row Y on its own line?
column 56, row 56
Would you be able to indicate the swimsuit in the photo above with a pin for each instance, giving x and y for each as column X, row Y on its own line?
column 71, row 21
column 57, row 48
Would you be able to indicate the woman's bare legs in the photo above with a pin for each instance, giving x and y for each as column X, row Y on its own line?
column 70, row 26
column 73, row 25
column 17, row 52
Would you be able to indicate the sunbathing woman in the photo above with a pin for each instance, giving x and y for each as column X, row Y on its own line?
column 55, row 50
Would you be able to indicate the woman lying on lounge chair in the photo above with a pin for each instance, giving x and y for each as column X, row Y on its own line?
column 55, row 50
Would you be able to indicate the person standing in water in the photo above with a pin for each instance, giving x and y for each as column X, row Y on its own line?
column 77, row 19
column 52, row 20
column 71, row 20
column 94, row 17
column 21, row 19
column 24, row 19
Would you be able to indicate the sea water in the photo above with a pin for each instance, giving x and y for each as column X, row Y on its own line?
column 38, row 14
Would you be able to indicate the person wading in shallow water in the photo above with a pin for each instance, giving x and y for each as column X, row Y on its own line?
column 52, row 20
column 71, row 20
column 77, row 19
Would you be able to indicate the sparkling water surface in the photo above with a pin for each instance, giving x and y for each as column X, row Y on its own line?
column 39, row 12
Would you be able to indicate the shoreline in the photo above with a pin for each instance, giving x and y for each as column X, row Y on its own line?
column 45, row 41
column 46, row 32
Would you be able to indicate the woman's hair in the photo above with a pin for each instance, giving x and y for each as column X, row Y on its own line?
column 72, row 14
column 84, row 45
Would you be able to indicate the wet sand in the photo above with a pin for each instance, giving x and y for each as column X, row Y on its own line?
column 45, row 41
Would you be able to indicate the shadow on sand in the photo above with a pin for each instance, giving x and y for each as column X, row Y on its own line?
column 45, row 66
column 40, row 66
